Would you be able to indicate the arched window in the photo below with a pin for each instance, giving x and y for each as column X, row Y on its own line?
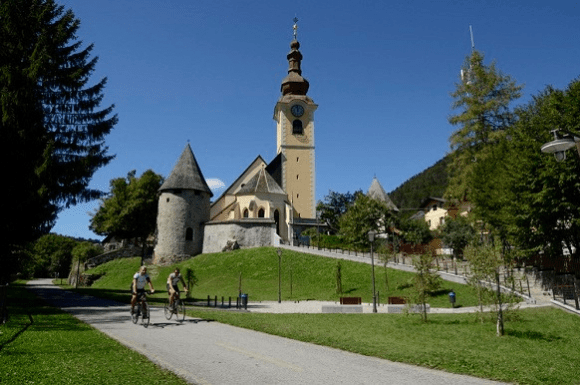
column 261, row 213
column 189, row 234
column 297, row 127
column 246, row 213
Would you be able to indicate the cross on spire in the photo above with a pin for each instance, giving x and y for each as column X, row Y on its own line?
column 295, row 27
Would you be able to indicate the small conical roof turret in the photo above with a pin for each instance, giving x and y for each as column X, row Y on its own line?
column 294, row 83
column 186, row 175
column 376, row 191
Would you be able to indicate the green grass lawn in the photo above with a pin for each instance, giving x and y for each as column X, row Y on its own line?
column 541, row 346
column 303, row 277
column 44, row 345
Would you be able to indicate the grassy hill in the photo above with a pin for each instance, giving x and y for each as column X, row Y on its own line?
column 303, row 277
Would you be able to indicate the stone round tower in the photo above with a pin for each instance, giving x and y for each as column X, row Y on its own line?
column 183, row 209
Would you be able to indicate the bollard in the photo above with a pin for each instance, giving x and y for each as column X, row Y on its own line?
column 208, row 300
column 215, row 302
column 222, row 301
column 230, row 303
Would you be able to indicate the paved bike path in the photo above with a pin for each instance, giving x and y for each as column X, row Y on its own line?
column 205, row 352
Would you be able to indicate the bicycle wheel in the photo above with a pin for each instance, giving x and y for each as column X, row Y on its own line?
column 167, row 310
column 135, row 315
column 146, row 316
column 180, row 310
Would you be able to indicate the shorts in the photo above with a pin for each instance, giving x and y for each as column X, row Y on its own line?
column 139, row 291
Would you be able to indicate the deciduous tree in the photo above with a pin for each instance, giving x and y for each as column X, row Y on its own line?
column 457, row 233
column 334, row 206
column 130, row 209
column 364, row 215
column 544, row 208
column 51, row 254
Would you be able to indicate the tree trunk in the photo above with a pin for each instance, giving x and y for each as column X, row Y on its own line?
column 500, row 330
column 143, row 251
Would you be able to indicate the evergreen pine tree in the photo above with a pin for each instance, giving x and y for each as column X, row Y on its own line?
column 52, row 130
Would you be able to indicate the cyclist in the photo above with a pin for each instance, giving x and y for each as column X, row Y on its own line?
column 138, row 286
column 172, row 285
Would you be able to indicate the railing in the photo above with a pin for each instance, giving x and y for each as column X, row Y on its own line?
column 441, row 264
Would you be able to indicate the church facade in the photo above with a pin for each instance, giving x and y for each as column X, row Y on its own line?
column 268, row 204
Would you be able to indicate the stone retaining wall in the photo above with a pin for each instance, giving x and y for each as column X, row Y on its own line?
column 125, row 252
column 247, row 233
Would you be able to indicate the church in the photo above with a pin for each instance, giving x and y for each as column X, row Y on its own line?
column 268, row 204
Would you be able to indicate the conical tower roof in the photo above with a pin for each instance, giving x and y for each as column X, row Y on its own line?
column 186, row 175
column 376, row 191
column 262, row 182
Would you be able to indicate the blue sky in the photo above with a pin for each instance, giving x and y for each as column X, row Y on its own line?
column 381, row 72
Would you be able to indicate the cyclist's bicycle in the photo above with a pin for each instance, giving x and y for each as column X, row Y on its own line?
column 178, row 308
column 141, row 310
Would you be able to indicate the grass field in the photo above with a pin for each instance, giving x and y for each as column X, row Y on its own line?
column 44, row 345
column 540, row 345
column 303, row 277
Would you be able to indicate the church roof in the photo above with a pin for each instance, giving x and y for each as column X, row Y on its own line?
column 262, row 182
column 377, row 192
column 294, row 83
column 186, row 174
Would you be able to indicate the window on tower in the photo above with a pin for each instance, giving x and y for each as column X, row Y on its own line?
column 189, row 234
column 261, row 213
column 297, row 127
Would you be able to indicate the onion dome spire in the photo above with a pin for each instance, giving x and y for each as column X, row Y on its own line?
column 294, row 83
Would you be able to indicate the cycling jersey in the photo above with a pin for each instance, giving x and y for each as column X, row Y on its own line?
column 174, row 279
column 141, row 280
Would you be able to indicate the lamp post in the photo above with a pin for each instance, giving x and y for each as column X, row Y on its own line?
column 279, row 251
column 372, row 235
column 559, row 146
column 318, row 212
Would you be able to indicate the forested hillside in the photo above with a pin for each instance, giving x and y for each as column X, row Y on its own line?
column 430, row 182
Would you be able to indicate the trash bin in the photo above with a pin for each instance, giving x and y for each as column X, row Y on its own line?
column 452, row 298
column 244, row 300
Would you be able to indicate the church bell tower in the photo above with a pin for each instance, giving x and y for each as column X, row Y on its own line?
column 294, row 116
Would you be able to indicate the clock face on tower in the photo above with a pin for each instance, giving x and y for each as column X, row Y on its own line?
column 297, row 110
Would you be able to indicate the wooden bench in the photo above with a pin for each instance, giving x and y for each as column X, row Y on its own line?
column 397, row 301
column 350, row 300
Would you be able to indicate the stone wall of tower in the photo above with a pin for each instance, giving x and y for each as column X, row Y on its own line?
column 178, row 211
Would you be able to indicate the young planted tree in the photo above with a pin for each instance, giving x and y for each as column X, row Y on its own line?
column 486, row 262
column 191, row 280
column 338, row 277
column 51, row 127
column 130, row 209
column 425, row 282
